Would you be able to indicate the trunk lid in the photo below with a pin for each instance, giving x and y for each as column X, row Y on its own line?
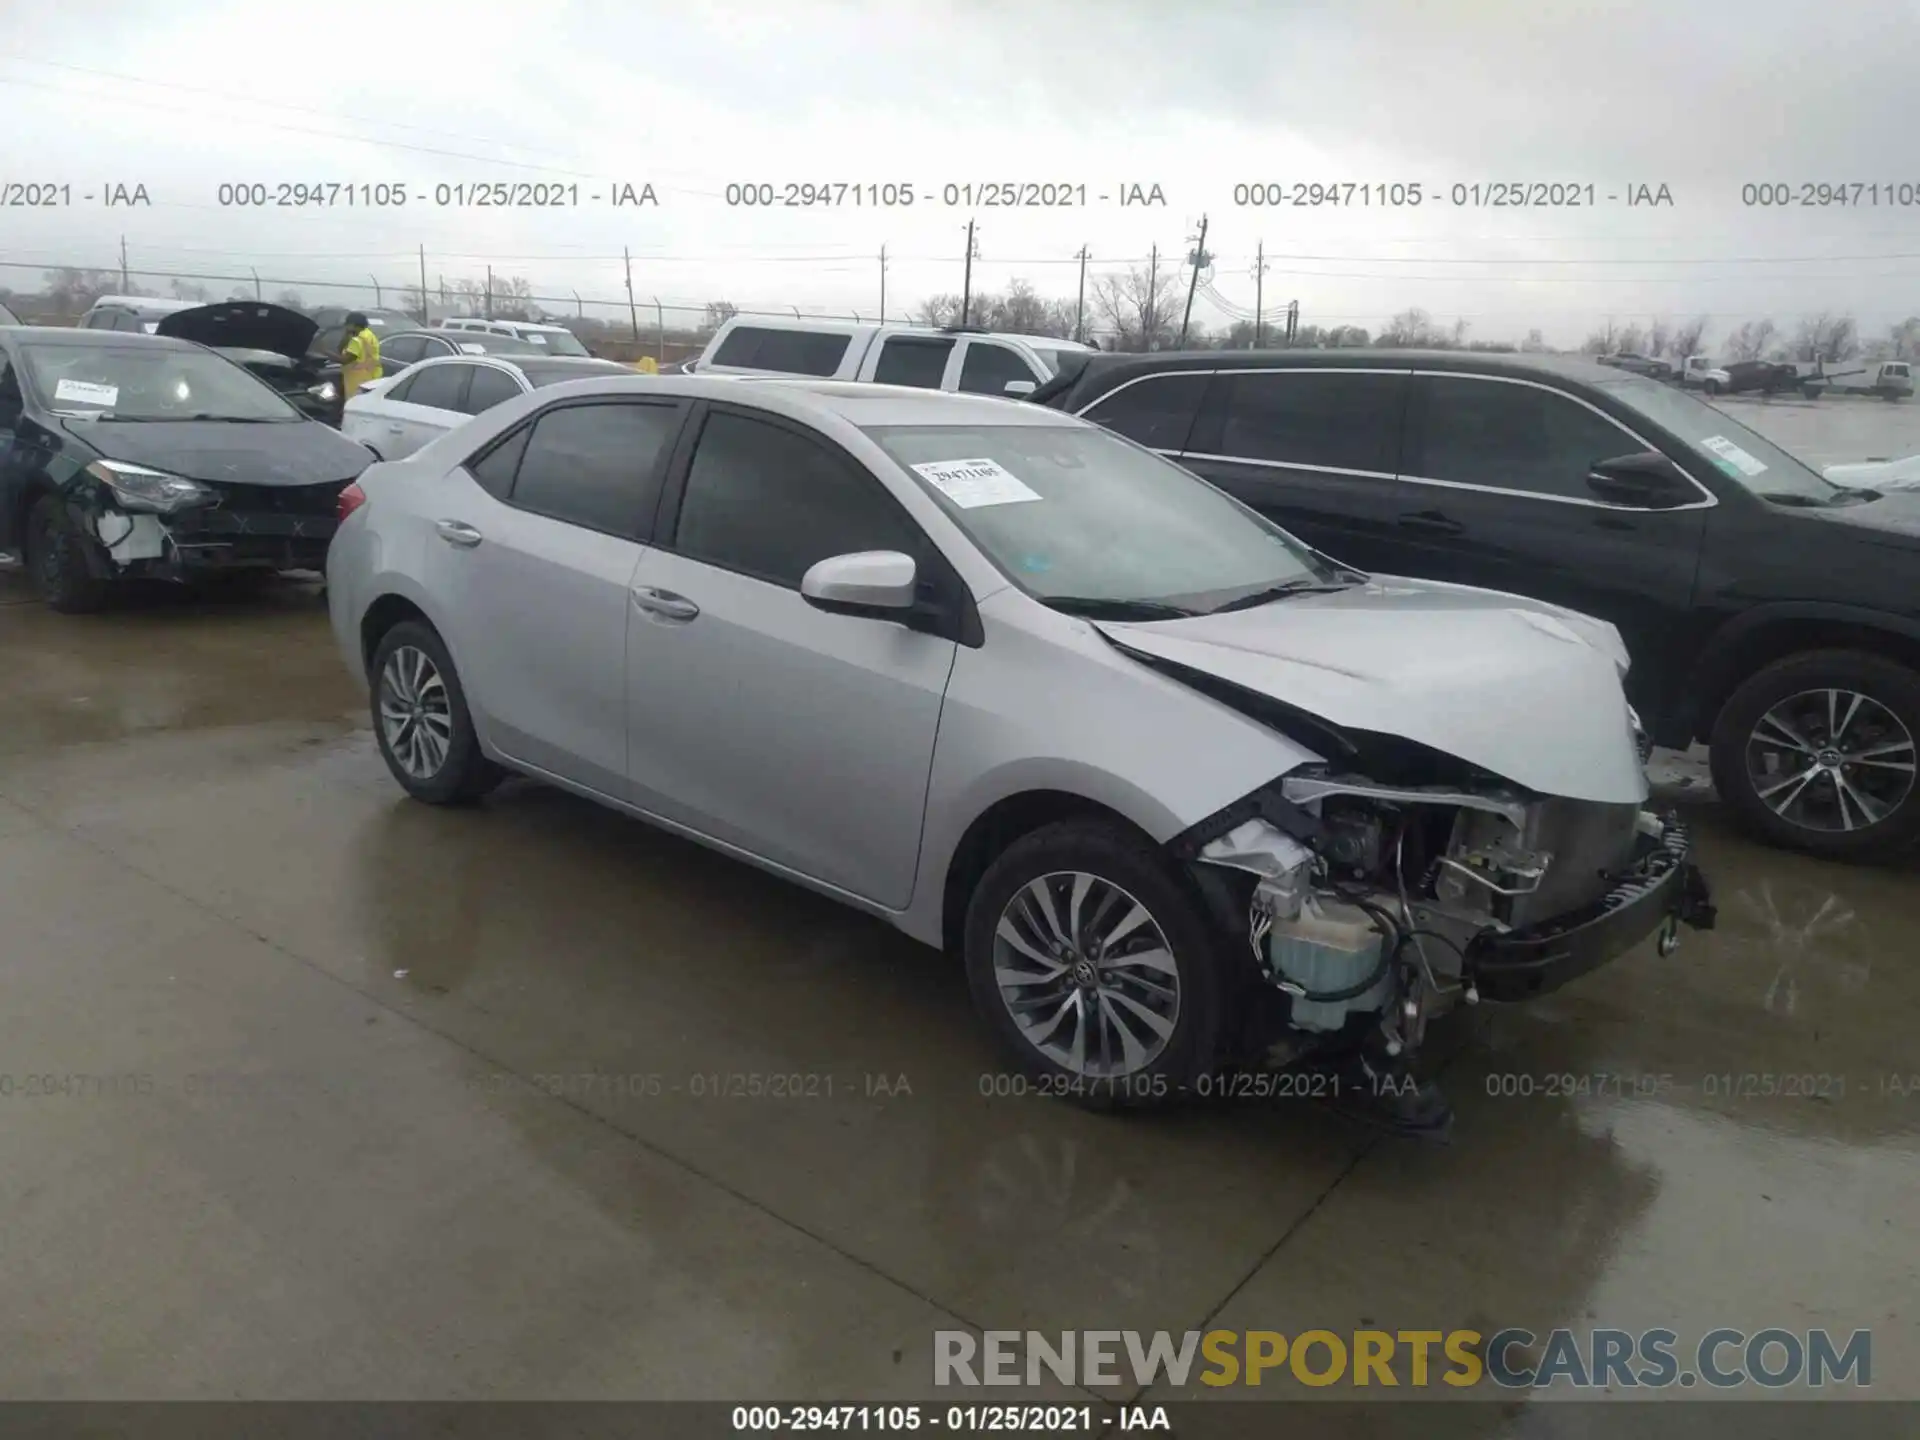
column 243, row 325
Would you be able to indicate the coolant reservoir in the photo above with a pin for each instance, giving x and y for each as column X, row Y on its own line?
column 1330, row 946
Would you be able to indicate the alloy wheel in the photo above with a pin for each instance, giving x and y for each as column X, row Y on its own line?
column 416, row 714
column 1831, row 760
column 1087, row 975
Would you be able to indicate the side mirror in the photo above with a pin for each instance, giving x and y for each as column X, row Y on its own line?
column 1017, row 388
column 1647, row 480
column 877, row 584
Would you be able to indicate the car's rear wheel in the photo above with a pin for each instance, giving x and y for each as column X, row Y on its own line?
column 1817, row 753
column 57, row 560
column 1095, row 967
column 421, row 721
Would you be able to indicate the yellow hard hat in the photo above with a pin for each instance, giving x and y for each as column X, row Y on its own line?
column 647, row 365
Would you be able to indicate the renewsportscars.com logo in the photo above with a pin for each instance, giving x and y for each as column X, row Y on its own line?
column 1510, row 1359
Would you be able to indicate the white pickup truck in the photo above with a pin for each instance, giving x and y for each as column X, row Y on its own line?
column 951, row 359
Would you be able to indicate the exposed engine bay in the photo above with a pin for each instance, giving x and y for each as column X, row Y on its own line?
column 1374, row 908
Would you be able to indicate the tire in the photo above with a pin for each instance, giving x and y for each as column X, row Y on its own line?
column 452, row 772
column 1872, row 809
column 1141, row 1064
column 57, row 560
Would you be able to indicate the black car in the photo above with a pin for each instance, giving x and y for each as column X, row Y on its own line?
column 126, row 455
column 272, row 341
column 1767, row 377
column 1767, row 612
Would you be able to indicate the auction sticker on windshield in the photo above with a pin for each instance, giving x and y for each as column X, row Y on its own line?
column 86, row 392
column 971, row 484
column 1736, row 457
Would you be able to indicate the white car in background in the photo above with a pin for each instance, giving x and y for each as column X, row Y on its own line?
column 1881, row 475
column 395, row 416
column 552, row 339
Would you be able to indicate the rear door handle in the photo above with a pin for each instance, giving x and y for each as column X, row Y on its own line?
column 456, row 533
column 1431, row 522
column 664, row 603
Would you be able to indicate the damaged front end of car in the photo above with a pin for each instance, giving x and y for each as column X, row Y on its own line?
column 1370, row 907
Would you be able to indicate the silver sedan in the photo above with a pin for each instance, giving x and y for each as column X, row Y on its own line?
column 1180, row 791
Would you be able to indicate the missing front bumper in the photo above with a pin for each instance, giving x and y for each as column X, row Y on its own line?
column 1663, row 891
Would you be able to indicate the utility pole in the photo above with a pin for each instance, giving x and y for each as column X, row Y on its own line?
column 256, row 284
column 426, row 314
column 488, row 307
column 1199, row 259
column 126, row 285
column 1293, row 321
column 1259, row 291
column 379, row 296
column 1150, row 320
column 1080, row 305
column 633, row 315
column 966, row 284
column 883, row 284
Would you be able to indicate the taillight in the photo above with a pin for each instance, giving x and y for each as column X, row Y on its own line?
column 351, row 499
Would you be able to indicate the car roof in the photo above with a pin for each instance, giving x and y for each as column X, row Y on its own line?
column 1107, row 365
column 151, row 303
column 80, row 339
column 829, row 325
column 857, row 402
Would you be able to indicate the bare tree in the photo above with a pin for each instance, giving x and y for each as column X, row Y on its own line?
column 1630, row 341
column 1534, row 344
column 1341, row 335
column 1904, row 339
column 1659, row 337
column 1600, row 342
column 1686, row 338
column 1415, row 329
column 938, row 310
column 291, row 299
column 184, row 290
column 718, row 313
column 239, row 292
column 1132, row 305
column 1751, row 339
column 1061, row 315
column 72, row 291
column 1826, row 337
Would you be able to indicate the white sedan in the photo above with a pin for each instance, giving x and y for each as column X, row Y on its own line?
column 395, row 416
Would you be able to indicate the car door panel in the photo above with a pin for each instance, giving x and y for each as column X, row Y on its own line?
column 541, row 601
column 1635, row 568
column 802, row 737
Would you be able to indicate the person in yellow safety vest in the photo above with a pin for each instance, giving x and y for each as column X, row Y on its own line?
column 359, row 357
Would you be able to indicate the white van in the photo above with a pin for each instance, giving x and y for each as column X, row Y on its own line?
column 951, row 359
column 554, row 339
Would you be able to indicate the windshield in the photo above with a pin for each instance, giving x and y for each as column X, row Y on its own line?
column 554, row 342
column 485, row 342
column 142, row 382
column 1077, row 512
column 1717, row 439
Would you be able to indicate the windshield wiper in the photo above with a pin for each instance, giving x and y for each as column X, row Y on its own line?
column 1093, row 607
column 1278, row 592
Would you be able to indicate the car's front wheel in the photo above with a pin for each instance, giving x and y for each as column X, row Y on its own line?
column 57, row 560
column 1816, row 752
column 1095, row 967
column 421, row 721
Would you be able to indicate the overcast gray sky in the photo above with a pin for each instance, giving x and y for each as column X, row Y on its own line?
column 1195, row 97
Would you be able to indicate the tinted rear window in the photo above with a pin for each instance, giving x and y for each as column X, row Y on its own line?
column 793, row 352
column 1156, row 411
column 1333, row 420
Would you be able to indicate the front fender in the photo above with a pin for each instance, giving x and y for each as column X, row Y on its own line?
column 1716, row 669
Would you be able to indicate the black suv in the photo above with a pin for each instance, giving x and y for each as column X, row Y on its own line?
column 1767, row 612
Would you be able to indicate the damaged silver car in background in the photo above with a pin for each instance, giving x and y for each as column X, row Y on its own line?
column 1183, row 794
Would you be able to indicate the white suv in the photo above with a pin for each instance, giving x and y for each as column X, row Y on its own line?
column 554, row 339
column 952, row 359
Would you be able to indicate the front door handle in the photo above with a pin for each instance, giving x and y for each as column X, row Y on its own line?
column 456, row 533
column 664, row 603
column 396, row 429
column 1431, row 522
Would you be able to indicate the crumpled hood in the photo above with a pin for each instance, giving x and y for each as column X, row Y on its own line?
column 243, row 325
column 302, row 452
column 1520, row 688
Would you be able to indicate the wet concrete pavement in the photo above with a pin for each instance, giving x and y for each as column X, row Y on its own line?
column 311, row 1091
